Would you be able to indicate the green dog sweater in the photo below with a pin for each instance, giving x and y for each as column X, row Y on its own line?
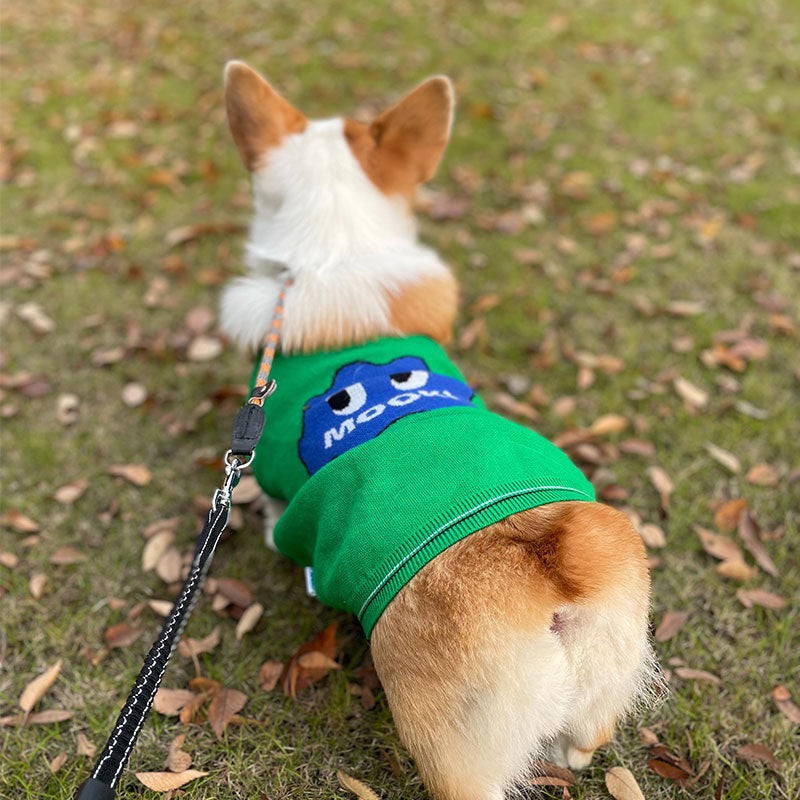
column 387, row 458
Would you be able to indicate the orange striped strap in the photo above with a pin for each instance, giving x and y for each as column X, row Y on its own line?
column 263, row 386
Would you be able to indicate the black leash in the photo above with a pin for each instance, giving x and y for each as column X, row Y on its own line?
column 247, row 429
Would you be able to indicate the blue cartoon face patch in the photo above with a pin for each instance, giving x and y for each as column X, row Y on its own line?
column 365, row 399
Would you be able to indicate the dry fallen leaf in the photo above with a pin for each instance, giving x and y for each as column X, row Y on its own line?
column 203, row 348
column 608, row 424
column 248, row 620
column 66, row 555
column 178, row 760
column 294, row 677
column 726, row 517
column 673, row 621
column 36, row 584
column 70, row 492
column 652, row 535
column 690, row 393
column 749, row 533
column 169, row 702
column 647, row 737
column 134, row 394
column 246, row 490
column 545, row 773
column 268, row 675
column 169, row 566
column 718, row 546
column 760, row 597
column 18, row 521
column 783, row 701
column 689, row 674
column 517, row 408
column 235, row 591
column 155, row 548
column 351, row 784
column 753, row 753
column 316, row 660
column 724, row 457
column 121, row 635
column 84, row 747
column 137, row 474
column 161, row 607
column 38, row 718
column 166, row 781
column 622, row 785
column 224, row 705
column 662, row 483
column 736, row 569
column 58, row 762
column 762, row 475
column 35, row 690
column 189, row 647
column 9, row 560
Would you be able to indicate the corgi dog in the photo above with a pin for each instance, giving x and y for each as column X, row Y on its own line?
column 524, row 633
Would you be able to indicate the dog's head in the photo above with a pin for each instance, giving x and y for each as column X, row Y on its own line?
column 400, row 149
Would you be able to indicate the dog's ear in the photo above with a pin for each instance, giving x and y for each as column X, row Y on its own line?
column 257, row 115
column 416, row 129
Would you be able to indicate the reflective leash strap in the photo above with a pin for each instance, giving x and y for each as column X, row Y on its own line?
column 247, row 429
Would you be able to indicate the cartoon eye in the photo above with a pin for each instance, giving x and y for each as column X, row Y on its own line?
column 410, row 380
column 347, row 400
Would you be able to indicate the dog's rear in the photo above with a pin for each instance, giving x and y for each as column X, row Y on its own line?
column 528, row 639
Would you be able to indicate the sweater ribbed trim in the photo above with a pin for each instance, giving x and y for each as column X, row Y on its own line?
column 456, row 523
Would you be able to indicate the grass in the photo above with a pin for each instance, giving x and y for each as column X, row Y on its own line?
column 661, row 104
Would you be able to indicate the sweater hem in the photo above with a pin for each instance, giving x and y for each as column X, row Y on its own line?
column 477, row 512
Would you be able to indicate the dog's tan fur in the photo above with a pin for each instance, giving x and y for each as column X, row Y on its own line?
column 529, row 637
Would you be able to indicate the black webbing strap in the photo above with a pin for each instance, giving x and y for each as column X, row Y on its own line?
column 100, row 786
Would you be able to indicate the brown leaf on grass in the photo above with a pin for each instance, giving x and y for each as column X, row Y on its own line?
column 647, row 737
column 673, row 621
column 204, row 348
column 608, row 424
column 638, row 447
column 359, row 789
column 224, row 705
column 167, row 781
column 724, row 457
column 84, row 747
column 235, row 591
column 726, row 517
column 137, row 474
column 121, row 635
column 178, row 760
column 36, row 584
column 35, row 690
column 736, row 569
column 783, row 701
column 517, row 408
column 548, row 774
column 684, row 308
column 18, row 521
column 66, row 555
column 169, row 702
column 294, row 677
column 9, row 560
column 169, row 566
column 269, row 674
column 749, row 533
column 246, row 491
column 188, row 233
column 668, row 770
column 161, row 525
column 762, row 475
column 58, row 762
column 189, row 647
column 755, row 753
column 367, row 699
column 662, row 483
column 154, row 549
column 314, row 659
column 689, row 674
column 718, row 546
column 690, row 393
column 760, row 597
column 652, row 535
column 622, row 785
column 39, row 718
column 248, row 620
column 161, row 607
column 472, row 333
column 70, row 492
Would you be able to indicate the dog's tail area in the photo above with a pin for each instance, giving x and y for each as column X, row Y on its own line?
column 527, row 639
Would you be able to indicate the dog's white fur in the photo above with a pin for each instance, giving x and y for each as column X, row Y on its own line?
column 320, row 219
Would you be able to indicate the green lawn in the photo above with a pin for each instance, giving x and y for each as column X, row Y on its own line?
column 609, row 160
